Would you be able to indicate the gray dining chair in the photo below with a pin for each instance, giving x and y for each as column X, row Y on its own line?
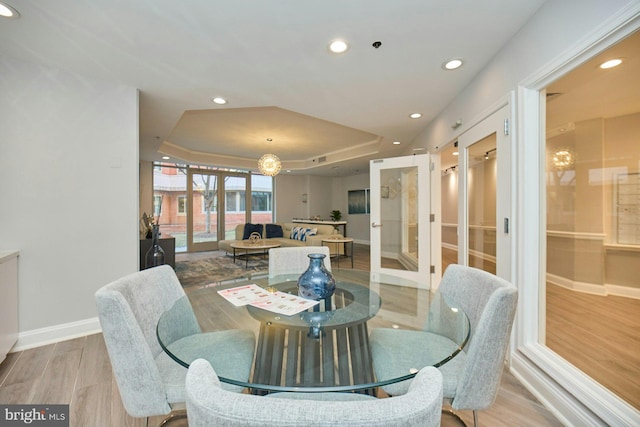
column 210, row 405
column 294, row 260
column 472, row 377
column 149, row 381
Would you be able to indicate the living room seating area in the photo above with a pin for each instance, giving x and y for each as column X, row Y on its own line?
column 288, row 234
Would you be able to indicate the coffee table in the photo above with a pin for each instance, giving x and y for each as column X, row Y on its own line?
column 251, row 248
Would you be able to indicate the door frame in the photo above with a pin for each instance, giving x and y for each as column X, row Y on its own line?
column 497, row 122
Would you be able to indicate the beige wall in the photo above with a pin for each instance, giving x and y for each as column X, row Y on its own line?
column 581, row 206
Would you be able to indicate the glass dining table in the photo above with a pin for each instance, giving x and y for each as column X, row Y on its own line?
column 325, row 348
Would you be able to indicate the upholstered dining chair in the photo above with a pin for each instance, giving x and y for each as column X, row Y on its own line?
column 294, row 260
column 472, row 377
column 149, row 381
column 210, row 405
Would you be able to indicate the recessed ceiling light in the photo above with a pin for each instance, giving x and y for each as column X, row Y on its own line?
column 219, row 100
column 611, row 63
column 396, row 143
column 9, row 12
column 338, row 46
column 452, row 64
column 165, row 157
column 415, row 115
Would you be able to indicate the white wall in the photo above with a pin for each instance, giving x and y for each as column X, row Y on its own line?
column 357, row 225
column 69, row 191
column 288, row 196
column 555, row 35
column 320, row 197
column 557, row 27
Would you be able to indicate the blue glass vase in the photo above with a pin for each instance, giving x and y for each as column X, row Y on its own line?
column 316, row 282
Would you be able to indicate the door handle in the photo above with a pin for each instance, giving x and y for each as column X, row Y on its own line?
column 375, row 225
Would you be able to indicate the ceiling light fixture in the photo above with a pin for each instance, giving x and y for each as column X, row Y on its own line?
column 611, row 63
column 486, row 155
column 452, row 64
column 165, row 157
column 415, row 115
column 396, row 142
column 269, row 164
column 8, row 12
column 563, row 158
column 338, row 46
column 218, row 100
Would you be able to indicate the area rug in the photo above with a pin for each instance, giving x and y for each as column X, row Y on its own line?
column 216, row 269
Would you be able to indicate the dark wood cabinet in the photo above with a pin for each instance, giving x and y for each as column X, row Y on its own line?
column 167, row 244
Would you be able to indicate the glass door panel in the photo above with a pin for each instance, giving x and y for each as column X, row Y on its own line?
column 590, row 300
column 481, row 204
column 234, row 188
column 261, row 199
column 202, row 232
column 399, row 203
column 170, row 202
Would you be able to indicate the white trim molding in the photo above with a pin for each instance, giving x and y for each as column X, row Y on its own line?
column 594, row 289
column 575, row 398
column 57, row 333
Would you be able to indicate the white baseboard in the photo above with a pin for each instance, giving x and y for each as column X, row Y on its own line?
column 57, row 333
column 623, row 291
column 590, row 288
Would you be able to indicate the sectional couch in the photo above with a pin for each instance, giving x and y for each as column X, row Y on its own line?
column 292, row 234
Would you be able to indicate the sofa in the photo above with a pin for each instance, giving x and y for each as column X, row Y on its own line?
column 293, row 234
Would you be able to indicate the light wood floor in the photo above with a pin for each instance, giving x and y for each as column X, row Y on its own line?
column 599, row 335
column 78, row 372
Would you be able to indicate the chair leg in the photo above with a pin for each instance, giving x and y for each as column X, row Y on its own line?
column 450, row 413
column 460, row 420
column 174, row 415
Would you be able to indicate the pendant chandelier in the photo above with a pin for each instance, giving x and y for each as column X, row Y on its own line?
column 269, row 164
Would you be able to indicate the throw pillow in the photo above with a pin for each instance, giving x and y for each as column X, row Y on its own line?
column 301, row 233
column 274, row 230
column 251, row 228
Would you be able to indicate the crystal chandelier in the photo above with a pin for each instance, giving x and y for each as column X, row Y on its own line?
column 269, row 164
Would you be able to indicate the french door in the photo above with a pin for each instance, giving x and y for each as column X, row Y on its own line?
column 400, row 207
column 216, row 202
column 484, row 195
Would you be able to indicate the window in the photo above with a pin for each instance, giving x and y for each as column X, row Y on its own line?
column 182, row 205
column 261, row 201
column 235, row 201
column 157, row 205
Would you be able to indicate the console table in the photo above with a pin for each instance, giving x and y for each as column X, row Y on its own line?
column 336, row 224
column 168, row 245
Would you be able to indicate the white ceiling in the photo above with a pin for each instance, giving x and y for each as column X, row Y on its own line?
column 269, row 58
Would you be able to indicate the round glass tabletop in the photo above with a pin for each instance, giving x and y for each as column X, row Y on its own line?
column 337, row 345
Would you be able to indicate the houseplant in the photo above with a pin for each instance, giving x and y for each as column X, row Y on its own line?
column 336, row 215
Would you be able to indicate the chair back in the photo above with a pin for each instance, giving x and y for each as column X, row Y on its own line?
column 294, row 260
column 209, row 405
column 490, row 303
column 129, row 309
